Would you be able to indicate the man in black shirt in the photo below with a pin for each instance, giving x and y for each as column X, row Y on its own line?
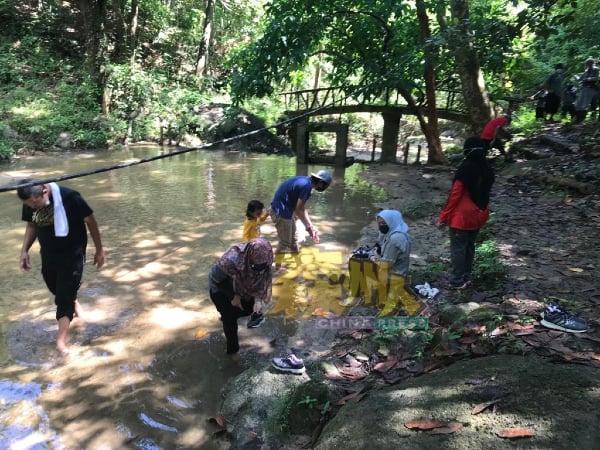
column 57, row 217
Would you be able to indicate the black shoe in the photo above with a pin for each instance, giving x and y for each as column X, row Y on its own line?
column 557, row 318
column 256, row 320
column 290, row 363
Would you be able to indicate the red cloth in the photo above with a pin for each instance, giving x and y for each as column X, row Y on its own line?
column 460, row 212
column 490, row 127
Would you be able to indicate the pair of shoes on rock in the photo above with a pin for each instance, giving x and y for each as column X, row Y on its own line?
column 558, row 318
column 256, row 320
column 290, row 364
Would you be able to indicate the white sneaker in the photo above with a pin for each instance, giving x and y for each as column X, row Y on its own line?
column 290, row 363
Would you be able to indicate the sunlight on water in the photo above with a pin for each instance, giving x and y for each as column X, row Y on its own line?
column 24, row 423
column 153, row 342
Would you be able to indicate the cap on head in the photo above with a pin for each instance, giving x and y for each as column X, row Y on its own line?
column 323, row 175
column 559, row 66
column 590, row 60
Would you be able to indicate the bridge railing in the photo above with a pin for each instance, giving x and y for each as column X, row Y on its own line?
column 307, row 99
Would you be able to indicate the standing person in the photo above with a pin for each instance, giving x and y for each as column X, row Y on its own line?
column 57, row 217
column 494, row 133
column 589, row 89
column 255, row 215
column 553, row 86
column 467, row 209
column 289, row 204
column 540, row 104
column 568, row 101
column 241, row 277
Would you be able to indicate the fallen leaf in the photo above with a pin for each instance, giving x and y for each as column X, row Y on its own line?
column 424, row 424
column 518, row 326
column 512, row 433
column 483, row 406
column 219, row 420
column 523, row 332
column 575, row 269
column 448, row 429
column 201, row 333
column 386, row 365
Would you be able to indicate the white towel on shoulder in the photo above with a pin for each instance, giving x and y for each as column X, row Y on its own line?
column 61, row 225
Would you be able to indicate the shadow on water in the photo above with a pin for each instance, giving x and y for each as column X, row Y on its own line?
column 147, row 365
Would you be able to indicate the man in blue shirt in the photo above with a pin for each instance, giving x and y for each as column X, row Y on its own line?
column 289, row 204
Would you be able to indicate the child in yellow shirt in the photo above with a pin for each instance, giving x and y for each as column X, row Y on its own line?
column 255, row 215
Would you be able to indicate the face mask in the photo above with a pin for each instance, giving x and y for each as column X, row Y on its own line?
column 383, row 229
column 259, row 267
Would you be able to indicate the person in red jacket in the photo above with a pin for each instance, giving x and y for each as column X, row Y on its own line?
column 494, row 135
column 467, row 209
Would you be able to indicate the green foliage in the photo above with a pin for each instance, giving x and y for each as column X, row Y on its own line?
column 488, row 268
column 6, row 150
column 309, row 401
column 524, row 122
column 421, row 342
column 294, row 410
column 386, row 336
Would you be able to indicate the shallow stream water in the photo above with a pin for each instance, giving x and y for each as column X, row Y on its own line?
column 147, row 366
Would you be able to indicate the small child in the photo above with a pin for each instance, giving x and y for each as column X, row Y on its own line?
column 255, row 215
column 540, row 106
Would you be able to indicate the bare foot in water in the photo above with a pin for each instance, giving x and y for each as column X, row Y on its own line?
column 62, row 348
column 79, row 312
column 61, row 339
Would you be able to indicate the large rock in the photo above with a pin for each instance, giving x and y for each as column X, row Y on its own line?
column 557, row 402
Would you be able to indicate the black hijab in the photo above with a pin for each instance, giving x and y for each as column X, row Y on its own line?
column 475, row 172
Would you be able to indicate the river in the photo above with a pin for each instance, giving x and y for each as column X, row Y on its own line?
column 147, row 367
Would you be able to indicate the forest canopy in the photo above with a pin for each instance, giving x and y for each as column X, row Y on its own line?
column 109, row 71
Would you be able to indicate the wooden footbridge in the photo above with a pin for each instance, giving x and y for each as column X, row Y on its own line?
column 304, row 104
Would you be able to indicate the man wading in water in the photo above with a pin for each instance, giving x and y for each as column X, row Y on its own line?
column 57, row 217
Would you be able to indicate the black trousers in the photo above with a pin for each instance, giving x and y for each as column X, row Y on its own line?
column 221, row 296
column 462, row 254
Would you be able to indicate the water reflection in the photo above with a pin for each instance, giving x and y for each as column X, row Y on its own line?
column 152, row 352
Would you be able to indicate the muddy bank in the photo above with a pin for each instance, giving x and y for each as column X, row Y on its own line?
column 486, row 344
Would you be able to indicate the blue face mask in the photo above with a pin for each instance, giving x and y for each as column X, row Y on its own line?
column 259, row 267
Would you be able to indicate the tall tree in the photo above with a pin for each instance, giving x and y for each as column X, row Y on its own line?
column 381, row 46
column 461, row 42
column 203, row 48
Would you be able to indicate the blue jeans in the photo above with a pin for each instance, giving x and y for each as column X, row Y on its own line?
column 462, row 254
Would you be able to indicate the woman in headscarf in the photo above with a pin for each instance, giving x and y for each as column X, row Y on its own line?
column 240, row 277
column 467, row 209
column 394, row 240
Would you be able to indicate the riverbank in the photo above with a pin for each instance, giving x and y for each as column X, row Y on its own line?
column 549, row 244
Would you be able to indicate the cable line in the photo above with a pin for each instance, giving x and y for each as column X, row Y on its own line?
column 173, row 153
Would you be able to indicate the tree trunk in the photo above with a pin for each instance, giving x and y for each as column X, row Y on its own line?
column 133, row 26
column 93, row 14
column 204, row 47
column 118, row 24
column 467, row 63
column 435, row 153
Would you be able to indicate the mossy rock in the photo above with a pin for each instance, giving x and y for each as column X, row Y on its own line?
column 306, row 402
